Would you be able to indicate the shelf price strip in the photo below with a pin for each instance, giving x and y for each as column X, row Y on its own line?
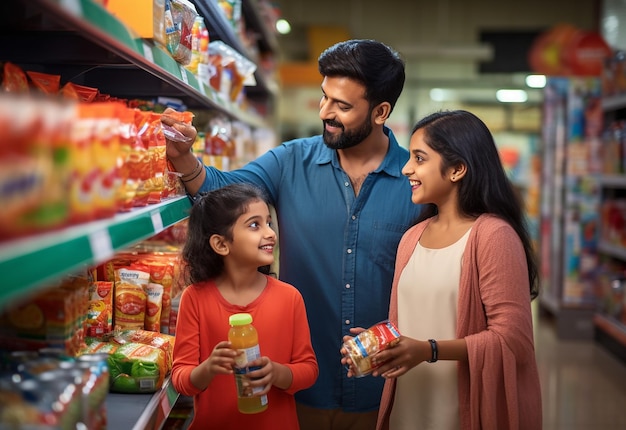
column 101, row 246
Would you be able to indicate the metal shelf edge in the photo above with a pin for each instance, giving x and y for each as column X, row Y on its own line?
column 611, row 326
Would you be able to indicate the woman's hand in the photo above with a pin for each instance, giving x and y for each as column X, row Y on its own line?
column 400, row 358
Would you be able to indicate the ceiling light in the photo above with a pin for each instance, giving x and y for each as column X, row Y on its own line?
column 511, row 96
column 283, row 26
column 441, row 95
column 536, row 81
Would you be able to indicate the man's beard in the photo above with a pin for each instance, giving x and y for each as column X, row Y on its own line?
column 347, row 139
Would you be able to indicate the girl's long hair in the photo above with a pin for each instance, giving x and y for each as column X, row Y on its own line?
column 460, row 137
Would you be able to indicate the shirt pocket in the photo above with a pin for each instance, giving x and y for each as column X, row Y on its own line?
column 385, row 239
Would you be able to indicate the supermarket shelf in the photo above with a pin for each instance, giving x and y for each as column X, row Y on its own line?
column 101, row 52
column 612, row 250
column 140, row 411
column 614, row 102
column 216, row 20
column 252, row 14
column 34, row 261
column 572, row 320
column 612, row 181
column 611, row 334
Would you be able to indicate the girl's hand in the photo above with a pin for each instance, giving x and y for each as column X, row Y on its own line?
column 221, row 360
column 264, row 377
column 182, row 146
column 400, row 358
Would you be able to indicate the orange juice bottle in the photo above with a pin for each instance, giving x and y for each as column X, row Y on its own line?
column 244, row 338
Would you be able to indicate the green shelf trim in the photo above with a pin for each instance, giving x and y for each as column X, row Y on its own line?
column 33, row 262
column 25, row 272
column 173, row 213
column 192, row 81
column 98, row 16
column 165, row 61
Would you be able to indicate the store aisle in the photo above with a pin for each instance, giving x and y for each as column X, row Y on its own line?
column 583, row 385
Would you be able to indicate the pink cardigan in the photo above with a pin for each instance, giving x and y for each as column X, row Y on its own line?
column 499, row 386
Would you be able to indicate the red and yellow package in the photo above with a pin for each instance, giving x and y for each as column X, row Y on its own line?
column 140, row 166
column 157, row 268
column 79, row 92
column 100, row 309
column 32, row 193
column 83, row 169
column 130, row 305
column 14, row 79
column 77, row 287
column 106, row 155
column 45, row 82
column 131, row 150
column 164, row 342
column 154, row 306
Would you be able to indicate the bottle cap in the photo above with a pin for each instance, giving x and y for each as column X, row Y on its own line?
column 240, row 319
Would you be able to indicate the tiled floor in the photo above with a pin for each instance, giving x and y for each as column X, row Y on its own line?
column 583, row 385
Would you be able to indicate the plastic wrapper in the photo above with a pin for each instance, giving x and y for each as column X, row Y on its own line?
column 137, row 368
column 230, row 70
column 130, row 305
column 14, row 79
column 44, row 82
column 179, row 16
column 164, row 342
column 368, row 343
column 100, row 312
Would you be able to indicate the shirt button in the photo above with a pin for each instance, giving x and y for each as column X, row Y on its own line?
column 347, row 285
column 347, row 184
column 347, row 322
column 353, row 216
column 349, row 251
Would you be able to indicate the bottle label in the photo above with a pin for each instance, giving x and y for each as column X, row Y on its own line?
column 242, row 370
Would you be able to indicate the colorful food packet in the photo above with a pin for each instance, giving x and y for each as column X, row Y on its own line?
column 361, row 348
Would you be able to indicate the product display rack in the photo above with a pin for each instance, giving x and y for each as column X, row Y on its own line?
column 141, row 411
column 569, row 204
column 610, row 331
column 82, row 42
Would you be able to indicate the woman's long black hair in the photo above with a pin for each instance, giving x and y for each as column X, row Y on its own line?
column 460, row 137
column 215, row 213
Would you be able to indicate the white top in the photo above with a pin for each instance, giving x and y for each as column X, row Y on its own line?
column 427, row 396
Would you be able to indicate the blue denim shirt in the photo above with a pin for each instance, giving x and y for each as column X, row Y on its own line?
column 337, row 249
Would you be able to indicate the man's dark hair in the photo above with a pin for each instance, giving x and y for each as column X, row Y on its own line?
column 375, row 65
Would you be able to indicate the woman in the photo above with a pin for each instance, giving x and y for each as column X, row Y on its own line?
column 464, row 279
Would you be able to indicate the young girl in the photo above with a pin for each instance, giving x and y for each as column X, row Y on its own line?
column 464, row 279
column 230, row 238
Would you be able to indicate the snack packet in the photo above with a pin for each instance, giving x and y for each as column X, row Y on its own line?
column 368, row 343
